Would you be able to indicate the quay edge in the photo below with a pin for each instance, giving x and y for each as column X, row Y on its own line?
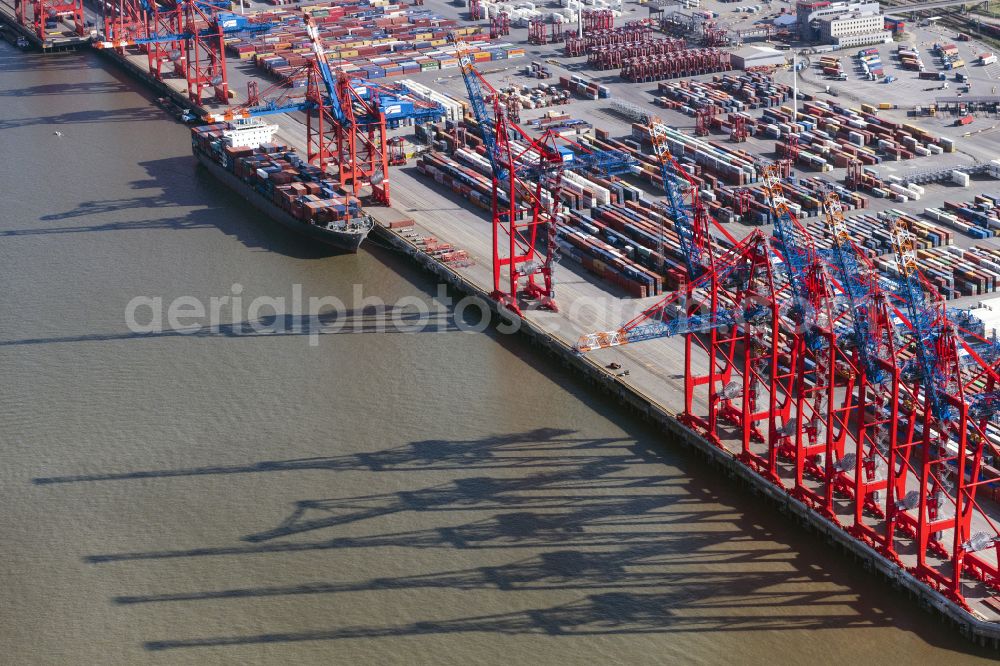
column 145, row 77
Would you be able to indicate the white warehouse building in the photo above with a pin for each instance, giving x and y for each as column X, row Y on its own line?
column 832, row 27
column 810, row 12
column 863, row 39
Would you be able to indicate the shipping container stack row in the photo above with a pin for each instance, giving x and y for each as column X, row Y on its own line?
column 954, row 271
column 608, row 227
column 365, row 41
column 749, row 205
column 289, row 182
column 608, row 255
column 690, row 62
column 462, row 180
column 705, row 177
column 894, row 188
column 584, row 87
column 637, row 229
column 579, row 241
column 613, row 231
column 731, row 165
column 848, row 199
column 578, row 191
column 727, row 93
column 979, row 219
column 612, row 57
column 836, row 136
column 869, row 232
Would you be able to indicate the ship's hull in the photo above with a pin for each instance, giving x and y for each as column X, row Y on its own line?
column 345, row 241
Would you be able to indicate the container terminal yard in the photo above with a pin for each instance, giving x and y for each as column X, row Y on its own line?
column 782, row 254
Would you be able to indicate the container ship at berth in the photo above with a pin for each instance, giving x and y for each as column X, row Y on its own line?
column 279, row 183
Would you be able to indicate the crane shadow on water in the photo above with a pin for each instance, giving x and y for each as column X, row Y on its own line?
column 387, row 319
column 126, row 115
column 71, row 88
column 649, row 548
column 179, row 183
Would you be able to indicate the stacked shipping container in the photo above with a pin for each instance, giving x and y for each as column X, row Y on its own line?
column 283, row 177
column 368, row 39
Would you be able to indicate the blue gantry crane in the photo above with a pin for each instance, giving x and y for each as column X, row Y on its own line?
column 527, row 175
column 487, row 124
column 390, row 100
column 923, row 320
column 689, row 220
column 856, row 288
column 691, row 224
column 230, row 24
column 346, row 121
column 670, row 316
column 572, row 156
column 801, row 260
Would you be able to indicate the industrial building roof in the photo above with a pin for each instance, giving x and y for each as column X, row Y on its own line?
column 752, row 52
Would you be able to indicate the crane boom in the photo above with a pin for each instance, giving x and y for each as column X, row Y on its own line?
column 487, row 125
column 856, row 287
column 922, row 317
column 326, row 74
column 800, row 257
column 652, row 323
column 230, row 24
column 689, row 227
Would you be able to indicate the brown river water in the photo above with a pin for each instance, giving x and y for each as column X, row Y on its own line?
column 250, row 493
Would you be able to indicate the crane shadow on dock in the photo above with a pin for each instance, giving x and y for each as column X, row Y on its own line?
column 457, row 201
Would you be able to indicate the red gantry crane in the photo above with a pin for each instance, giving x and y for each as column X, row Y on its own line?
column 190, row 35
column 345, row 122
column 527, row 176
column 861, row 395
column 42, row 16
